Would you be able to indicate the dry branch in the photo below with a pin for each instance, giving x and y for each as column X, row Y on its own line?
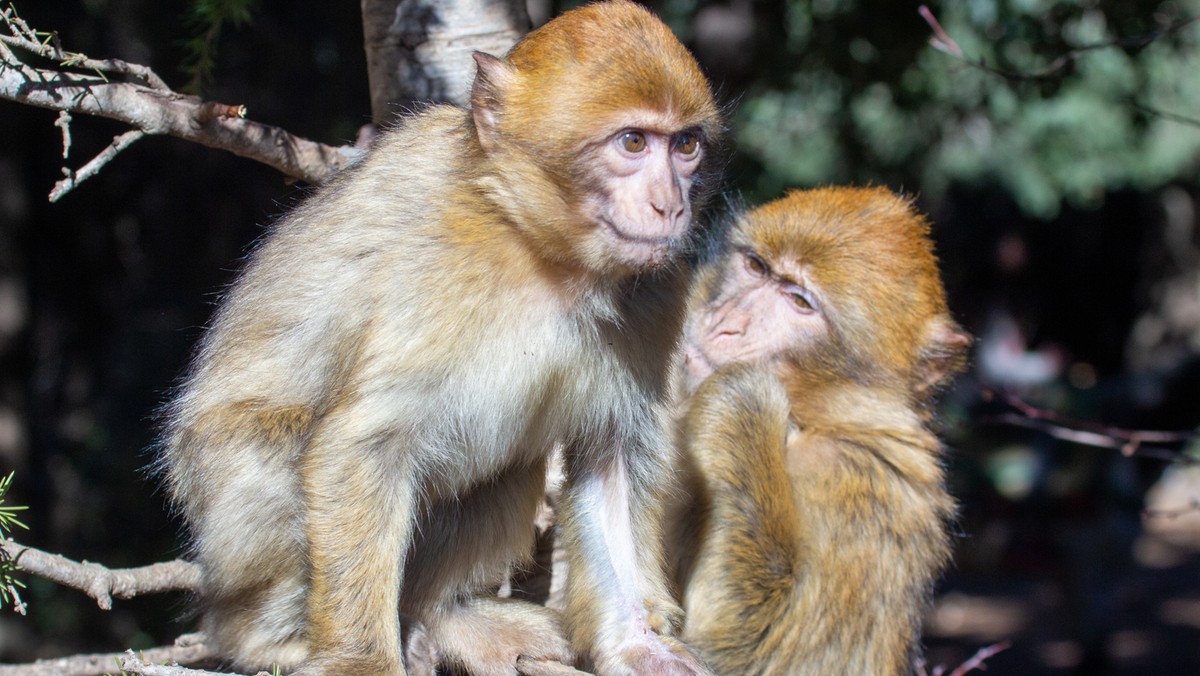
column 147, row 104
column 188, row 648
column 101, row 583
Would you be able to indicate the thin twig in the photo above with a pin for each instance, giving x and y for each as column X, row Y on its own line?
column 1142, row 443
column 101, row 583
column 977, row 661
column 26, row 38
column 944, row 43
column 75, row 177
column 941, row 40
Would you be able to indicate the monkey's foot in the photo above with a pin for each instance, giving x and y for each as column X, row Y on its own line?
column 652, row 654
column 326, row 664
column 485, row 636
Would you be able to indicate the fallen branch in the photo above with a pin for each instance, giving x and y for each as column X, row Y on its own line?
column 148, row 105
column 101, row 583
column 189, row 648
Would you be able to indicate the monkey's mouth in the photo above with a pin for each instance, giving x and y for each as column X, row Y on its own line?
column 649, row 249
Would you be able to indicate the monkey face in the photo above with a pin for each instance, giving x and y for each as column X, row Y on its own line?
column 640, row 198
column 762, row 309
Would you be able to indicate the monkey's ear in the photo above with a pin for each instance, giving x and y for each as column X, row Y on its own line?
column 943, row 354
column 492, row 79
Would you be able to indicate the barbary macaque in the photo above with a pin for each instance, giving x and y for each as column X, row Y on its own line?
column 817, row 520
column 363, row 433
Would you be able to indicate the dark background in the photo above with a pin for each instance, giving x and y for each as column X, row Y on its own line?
column 1064, row 202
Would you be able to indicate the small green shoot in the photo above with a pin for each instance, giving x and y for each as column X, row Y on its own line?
column 8, row 519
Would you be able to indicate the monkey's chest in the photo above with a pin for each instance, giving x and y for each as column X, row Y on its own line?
column 515, row 398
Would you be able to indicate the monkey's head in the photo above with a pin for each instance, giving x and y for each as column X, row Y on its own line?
column 602, row 119
column 841, row 281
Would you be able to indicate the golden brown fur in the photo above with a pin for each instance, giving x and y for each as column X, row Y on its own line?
column 364, row 428
column 818, row 518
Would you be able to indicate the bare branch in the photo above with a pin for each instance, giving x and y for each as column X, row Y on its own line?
column 188, row 649
column 24, row 37
column 1143, row 443
column 153, row 108
column 102, row 583
column 74, row 178
column 976, row 662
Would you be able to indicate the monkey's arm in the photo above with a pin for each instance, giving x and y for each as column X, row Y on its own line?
column 619, row 607
column 741, row 590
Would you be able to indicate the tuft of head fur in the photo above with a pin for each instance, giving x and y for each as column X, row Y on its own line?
column 870, row 248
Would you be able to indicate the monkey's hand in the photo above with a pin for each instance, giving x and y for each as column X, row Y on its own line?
column 486, row 636
column 737, row 405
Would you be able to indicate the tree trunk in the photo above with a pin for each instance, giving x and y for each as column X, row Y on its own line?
column 420, row 50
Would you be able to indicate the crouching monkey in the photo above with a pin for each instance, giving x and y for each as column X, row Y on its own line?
column 818, row 518
column 363, row 431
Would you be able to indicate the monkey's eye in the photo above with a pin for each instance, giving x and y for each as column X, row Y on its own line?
column 756, row 265
column 801, row 302
column 633, row 141
column 687, row 144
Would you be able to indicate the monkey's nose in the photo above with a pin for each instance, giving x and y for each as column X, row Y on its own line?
column 672, row 209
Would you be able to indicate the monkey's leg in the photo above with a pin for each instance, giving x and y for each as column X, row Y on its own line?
column 618, row 607
column 250, row 547
column 360, row 515
column 465, row 545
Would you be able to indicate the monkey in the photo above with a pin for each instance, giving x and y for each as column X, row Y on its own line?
column 361, row 437
column 816, row 519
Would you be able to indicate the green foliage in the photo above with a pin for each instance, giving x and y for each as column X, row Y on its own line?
column 1050, row 100
column 206, row 18
column 8, row 520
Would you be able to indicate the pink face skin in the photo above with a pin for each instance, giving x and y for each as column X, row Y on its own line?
column 760, row 312
column 642, row 208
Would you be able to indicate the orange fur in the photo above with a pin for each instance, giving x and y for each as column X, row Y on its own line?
column 818, row 517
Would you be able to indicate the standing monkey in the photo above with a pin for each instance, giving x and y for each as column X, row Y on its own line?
column 818, row 518
column 364, row 429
